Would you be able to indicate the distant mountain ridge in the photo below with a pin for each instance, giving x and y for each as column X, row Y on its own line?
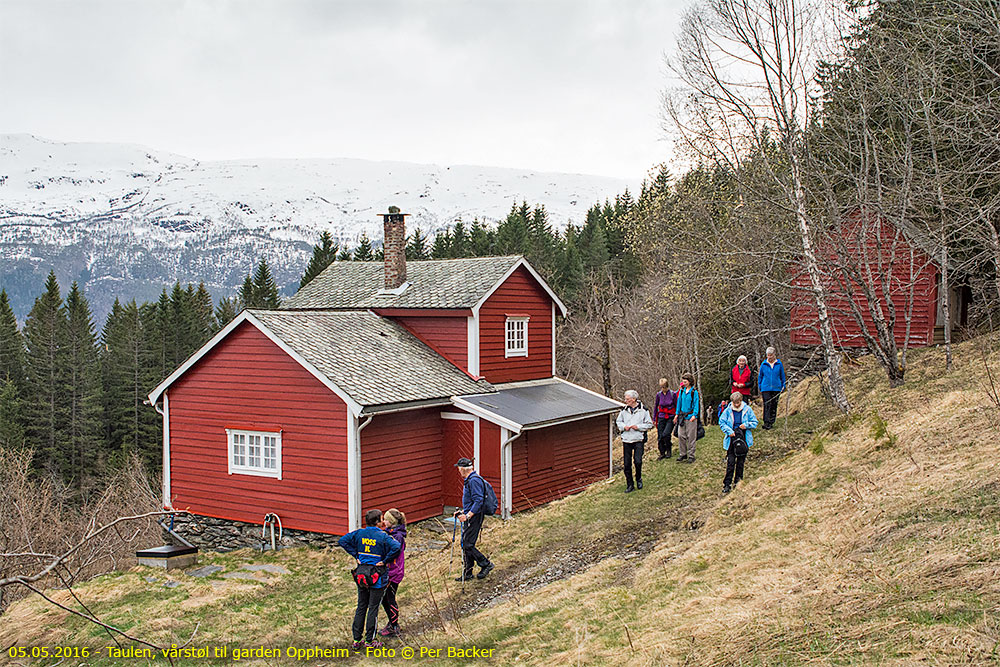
column 125, row 221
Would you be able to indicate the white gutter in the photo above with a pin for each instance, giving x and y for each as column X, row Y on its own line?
column 165, row 413
column 354, row 469
column 506, row 473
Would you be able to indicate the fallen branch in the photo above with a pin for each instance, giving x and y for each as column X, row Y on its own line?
column 58, row 560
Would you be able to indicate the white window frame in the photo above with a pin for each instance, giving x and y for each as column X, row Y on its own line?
column 508, row 351
column 244, row 467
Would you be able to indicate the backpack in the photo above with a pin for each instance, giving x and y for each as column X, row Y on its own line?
column 738, row 443
column 368, row 576
column 489, row 499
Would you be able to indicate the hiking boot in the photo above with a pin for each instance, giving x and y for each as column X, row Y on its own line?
column 682, row 459
column 485, row 571
column 464, row 577
column 638, row 484
column 629, row 489
column 389, row 631
column 357, row 643
column 689, row 459
column 374, row 644
column 726, row 490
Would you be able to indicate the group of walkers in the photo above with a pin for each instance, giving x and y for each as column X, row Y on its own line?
column 676, row 414
column 379, row 550
column 379, row 547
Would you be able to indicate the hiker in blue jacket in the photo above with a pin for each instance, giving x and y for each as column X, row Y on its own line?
column 686, row 419
column 471, row 516
column 370, row 546
column 737, row 423
column 771, row 382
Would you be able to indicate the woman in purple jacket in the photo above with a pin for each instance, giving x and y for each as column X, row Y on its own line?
column 395, row 526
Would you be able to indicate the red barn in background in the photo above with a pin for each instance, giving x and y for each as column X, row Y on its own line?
column 877, row 262
column 366, row 388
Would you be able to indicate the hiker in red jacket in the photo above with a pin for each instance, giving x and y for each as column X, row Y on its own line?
column 742, row 378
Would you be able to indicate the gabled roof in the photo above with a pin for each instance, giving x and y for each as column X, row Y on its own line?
column 521, row 406
column 367, row 360
column 443, row 283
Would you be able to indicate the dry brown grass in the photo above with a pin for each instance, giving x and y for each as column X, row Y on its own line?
column 867, row 553
column 882, row 547
column 38, row 515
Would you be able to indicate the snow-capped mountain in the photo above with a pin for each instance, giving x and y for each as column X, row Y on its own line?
column 125, row 221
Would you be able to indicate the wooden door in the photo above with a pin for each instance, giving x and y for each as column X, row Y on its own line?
column 458, row 440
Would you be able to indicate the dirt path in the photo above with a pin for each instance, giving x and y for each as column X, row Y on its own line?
column 632, row 542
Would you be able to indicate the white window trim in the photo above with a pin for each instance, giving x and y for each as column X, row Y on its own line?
column 248, row 470
column 507, row 352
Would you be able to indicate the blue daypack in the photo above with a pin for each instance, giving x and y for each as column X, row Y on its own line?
column 489, row 500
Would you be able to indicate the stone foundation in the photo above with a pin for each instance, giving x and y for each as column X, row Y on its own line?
column 224, row 535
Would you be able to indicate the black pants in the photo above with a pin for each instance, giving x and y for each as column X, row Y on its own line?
column 770, row 407
column 368, row 602
column 664, row 430
column 470, row 554
column 633, row 452
column 734, row 464
column 389, row 603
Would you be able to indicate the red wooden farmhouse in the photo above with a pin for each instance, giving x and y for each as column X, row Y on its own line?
column 369, row 384
column 893, row 263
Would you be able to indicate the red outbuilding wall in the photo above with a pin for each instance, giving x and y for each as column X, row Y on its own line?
column 877, row 249
column 248, row 382
column 519, row 295
column 401, row 463
column 553, row 462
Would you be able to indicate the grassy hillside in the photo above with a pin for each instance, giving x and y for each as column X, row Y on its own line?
column 872, row 539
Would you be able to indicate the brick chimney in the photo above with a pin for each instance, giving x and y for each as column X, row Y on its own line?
column 394, row 247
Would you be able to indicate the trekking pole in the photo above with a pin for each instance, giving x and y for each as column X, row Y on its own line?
column 463, row 557
column 454, row 529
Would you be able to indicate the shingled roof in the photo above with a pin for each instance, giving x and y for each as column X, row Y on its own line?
column 371, row 358
column 375, row 362
column 447, row 283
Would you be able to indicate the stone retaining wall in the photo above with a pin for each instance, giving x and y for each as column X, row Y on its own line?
column 224, row 535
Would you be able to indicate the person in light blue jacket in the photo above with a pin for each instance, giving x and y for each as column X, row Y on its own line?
column 771, row 381
column 737, row 423
column 686, row 418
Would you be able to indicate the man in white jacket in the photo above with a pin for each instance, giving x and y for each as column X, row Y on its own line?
column 633, row 422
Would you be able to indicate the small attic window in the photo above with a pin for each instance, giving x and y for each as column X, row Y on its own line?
column 517, row 336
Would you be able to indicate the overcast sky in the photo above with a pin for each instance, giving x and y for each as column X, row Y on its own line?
column 555, row 85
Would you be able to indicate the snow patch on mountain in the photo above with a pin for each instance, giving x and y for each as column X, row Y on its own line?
column 129, row 220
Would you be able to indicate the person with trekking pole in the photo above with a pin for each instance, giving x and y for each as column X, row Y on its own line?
column 471, row 517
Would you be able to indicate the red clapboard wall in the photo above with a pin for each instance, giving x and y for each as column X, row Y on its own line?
column 401, row 463
column 489, row 454
column 247, row 382
column 553, row 462
column 519, row 295
column 448, row 336
column 457, row 441
column 884, row 249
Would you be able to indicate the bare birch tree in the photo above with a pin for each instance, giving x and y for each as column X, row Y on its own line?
column 747, row 67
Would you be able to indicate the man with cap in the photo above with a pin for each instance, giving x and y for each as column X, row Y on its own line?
column 471, row 516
